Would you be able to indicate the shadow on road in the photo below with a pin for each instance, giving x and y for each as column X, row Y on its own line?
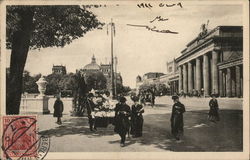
column 199, row 133
column 77, row 126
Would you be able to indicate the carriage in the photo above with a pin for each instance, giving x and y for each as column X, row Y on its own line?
column 147, row 99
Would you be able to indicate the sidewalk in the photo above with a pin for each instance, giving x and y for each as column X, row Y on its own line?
column 199, row 133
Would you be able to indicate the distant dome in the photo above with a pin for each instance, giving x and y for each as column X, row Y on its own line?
column 93, row 66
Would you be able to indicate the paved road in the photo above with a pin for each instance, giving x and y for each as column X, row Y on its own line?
column 199, row 134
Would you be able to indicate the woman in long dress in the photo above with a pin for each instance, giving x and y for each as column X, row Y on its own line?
column 136, row 118
column 213, row 114
column 177, row 118
column 58, row 109
column 122, row 124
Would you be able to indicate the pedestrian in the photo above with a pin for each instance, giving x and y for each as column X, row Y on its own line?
column 58, row 109
column 213, row 114
column 177, row 118
column 122, row 123
column 136, row 118
column 90, row 111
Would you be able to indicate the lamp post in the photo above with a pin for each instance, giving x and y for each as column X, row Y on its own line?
column 112, row 29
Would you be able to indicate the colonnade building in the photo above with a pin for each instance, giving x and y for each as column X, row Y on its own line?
column 213, row 63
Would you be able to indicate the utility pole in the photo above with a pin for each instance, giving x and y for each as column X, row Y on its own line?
column 115, row 76
column 112, row 29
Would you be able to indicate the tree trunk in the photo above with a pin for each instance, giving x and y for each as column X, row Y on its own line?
column 20, row 48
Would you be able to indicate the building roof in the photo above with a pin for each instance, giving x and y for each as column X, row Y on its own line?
column 206, row 38
column 93, row 65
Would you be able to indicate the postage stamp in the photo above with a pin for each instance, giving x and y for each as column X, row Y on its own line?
column 20, row 138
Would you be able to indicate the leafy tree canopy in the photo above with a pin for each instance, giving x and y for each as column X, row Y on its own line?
column 52, row 25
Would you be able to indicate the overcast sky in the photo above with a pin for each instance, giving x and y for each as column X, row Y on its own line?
column 138, row 50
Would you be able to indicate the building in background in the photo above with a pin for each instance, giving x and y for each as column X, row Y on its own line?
column 59, row 69
column 172, row 77
column 213, row 62
column 150, row 78
column 105, row 69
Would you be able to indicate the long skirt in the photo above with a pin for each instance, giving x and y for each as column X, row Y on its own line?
column 177, row 125
column 213, row 114
column 136, row 126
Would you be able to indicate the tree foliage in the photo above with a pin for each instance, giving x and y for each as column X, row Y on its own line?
column 95, row 80
column 59, row 83
column 52, row 25
column 35, row 27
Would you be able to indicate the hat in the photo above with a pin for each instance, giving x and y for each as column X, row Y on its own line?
column 135, row 98
column 122, row 99
column 175, row 97
column 90, row 95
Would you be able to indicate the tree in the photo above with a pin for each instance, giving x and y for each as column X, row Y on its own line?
column 79, row 94
column 29, row 82
column 95, row 80
column 53, row 86
column 35, row 27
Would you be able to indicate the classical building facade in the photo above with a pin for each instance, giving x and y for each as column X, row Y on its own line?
column 105, row 69
column 173, row 77
column 59, row 69
column 213, row 63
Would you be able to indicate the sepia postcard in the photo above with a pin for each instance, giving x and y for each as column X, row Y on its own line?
column 162, row 79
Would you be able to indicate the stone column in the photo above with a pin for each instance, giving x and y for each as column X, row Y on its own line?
column 198, row 74
column 190, row 77
column 180, row 79
column 185, row 87
column 229, row 83
column 237, row 77
column 215, row 79
column 206, row 74
column 221, row 83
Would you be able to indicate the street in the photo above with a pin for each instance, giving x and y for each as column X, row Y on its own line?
column 199, row 133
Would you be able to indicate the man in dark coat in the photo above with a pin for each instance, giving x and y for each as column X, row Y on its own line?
column 177, row 117
column 213, row 114
column 136, row 118
column 90, row 111
column 58, row 109
column 122, row 124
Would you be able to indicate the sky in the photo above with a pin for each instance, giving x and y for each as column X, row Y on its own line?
column 138, row 50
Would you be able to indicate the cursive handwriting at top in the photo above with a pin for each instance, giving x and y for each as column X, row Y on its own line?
column 159, row 18
column 153, row 29
column 149, row 5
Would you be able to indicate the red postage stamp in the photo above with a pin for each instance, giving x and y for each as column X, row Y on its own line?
column 19, row 137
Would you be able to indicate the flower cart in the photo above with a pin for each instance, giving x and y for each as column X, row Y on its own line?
column 104, row 112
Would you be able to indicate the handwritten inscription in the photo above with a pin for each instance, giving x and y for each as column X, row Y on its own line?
column 149, row 5
column 153, row 28
column 159, row 18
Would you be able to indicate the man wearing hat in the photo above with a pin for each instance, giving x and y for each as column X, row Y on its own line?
column 136, row 118
column 177, row 118
column 122, row 124
column 213, row 114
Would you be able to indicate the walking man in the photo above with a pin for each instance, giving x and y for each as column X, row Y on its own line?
column 177, row 118
column 122, row 124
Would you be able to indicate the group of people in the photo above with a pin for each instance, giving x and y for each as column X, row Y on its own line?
column 147, row 96
column 129, row 120
column 194, row 93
